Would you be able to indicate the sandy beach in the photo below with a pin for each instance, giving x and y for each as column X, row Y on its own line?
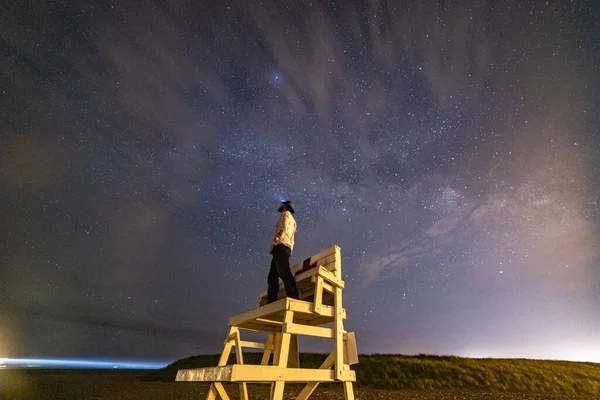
column 28, row 385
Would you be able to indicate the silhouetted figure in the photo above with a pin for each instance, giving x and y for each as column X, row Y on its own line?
column 281, row 249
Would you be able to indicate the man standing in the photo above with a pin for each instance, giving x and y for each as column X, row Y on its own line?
column 281, row 249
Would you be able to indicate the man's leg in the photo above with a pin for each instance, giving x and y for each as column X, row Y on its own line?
column 282, row 259
column 272, row 282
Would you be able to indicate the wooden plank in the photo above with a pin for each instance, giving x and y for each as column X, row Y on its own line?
column 251, row 326
column 326, row 286
column 311, row 386
column 227, row 348
column 338, row 263
column 307, row 308
column 307, row 390
column 277, row 390
column 274, row 312
column 348, row 391
column 301, row 317
column 212, row 392
column 294, row 356
column 314, row 271
column 281, row 356
column 230, row 336
column 243, row 391
column 319, row 321
column 268, row 348
column 260, row 312
column 221, row 390
column 284, row 349
column 331, row 278
column 238, row 347
column 259, row 373
column 251, row 345
column 330, row 266
column 212, row 374
column 338, row 335
column 303, row 312
column 308, row 330
column 306, row 288
column 240, row 360
column 351, row 350
column 318, row 295
column 275, row 319
column 323, row 253
column 276, row 349
column 348, row 375
column 328, row 362
column 313, row 263
column 225, row 355
column 316, row 257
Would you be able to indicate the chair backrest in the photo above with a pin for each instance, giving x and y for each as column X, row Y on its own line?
column 330, row 258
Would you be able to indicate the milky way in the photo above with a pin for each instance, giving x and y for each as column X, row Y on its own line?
column 451, row 151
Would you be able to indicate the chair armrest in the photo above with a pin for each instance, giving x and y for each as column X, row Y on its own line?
column 329, row 277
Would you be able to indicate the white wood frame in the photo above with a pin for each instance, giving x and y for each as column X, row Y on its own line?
column 283, row 321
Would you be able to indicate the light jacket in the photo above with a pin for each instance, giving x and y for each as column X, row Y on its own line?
column 285, row 228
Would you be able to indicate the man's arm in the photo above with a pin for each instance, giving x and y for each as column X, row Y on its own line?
column 285, row 228
column 280, row 226
column 289, row 225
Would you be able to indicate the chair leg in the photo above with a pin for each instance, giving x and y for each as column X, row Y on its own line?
column 216, row 388
column 227, row 348
column 268, row 348
column 212, row 392
column 280, row 357
column 294, row 355
column 277, row 390
column 240, row 360
column 243, row 391
column 348, row 390
column 310, row 387
column 221, row 390
column 277, row 347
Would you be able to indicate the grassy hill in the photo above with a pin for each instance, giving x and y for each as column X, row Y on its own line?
column 424, row 372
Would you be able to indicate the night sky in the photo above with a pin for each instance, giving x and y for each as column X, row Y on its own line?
column 452, row 151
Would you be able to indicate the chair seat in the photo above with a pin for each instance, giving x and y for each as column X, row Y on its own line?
column 269, row 318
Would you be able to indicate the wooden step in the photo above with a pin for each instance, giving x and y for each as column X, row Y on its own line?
column 260, row 373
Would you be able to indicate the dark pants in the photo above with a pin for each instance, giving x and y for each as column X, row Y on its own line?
column 280, row 268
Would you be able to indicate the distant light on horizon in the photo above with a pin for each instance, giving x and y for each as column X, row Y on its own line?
column 577, row 353
column 78, row 363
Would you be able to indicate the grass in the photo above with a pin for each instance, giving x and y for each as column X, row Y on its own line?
column 426, row 372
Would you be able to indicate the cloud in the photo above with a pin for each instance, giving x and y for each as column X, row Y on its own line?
column 443, row 226
column 396, row 259
column 375, row 267
column 107, row 325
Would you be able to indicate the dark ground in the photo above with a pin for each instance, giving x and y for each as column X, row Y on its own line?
column 95, row 385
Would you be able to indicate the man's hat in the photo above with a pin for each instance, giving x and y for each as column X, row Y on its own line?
column 288, row 204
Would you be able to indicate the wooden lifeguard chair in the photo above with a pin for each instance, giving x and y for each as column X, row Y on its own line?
column 318, row 313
